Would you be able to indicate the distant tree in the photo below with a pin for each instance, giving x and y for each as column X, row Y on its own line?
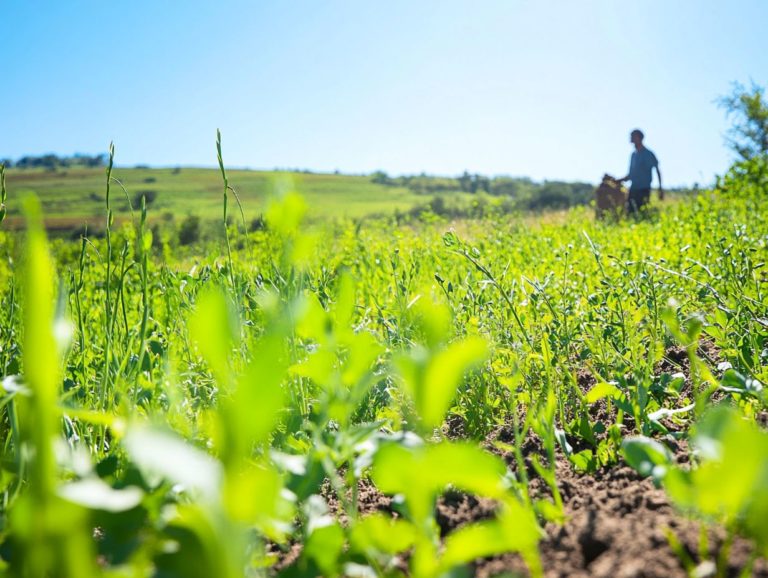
column 52, row 162
column 150, row 196
column 97, row 161
column 465, row 182
column 437, row 206
column 380, row 178
column 748, row 136
column 189, row 231
column 482, row 183
column 504, row 186
column 8, row 163
column 551, row 195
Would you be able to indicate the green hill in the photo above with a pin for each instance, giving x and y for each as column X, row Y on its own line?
column 73, row 197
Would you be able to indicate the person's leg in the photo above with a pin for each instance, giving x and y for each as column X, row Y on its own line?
column 633, row 205
column 637, row 200
column 644, row 197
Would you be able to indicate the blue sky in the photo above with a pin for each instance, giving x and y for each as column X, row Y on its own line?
column 546, row 89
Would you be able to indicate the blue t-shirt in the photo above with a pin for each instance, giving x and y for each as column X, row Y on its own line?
column 641, row 164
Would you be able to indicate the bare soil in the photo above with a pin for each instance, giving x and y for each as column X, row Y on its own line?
column 617, row 526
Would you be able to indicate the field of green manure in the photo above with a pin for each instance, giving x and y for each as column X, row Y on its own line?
column 220, row 412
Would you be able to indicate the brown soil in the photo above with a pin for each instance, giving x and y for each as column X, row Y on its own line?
column 617, row 527
column 455, row 509
column 369, row 500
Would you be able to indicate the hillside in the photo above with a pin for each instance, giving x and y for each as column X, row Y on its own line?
column 73, row 197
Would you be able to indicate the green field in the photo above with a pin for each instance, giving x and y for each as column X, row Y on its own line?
column 71, row 197
column 504, row 396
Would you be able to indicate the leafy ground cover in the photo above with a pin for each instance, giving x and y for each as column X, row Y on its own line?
column 566, row 397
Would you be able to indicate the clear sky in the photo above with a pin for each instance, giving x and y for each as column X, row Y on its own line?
column 546, row 89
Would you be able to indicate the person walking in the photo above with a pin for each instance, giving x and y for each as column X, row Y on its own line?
column 641, row 165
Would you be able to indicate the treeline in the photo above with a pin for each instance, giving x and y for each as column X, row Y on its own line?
column 526, row 193
column 53, row 162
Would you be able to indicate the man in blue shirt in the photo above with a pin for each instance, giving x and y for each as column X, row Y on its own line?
column 641, row 166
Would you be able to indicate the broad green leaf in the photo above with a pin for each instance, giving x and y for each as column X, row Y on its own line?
column 255, row 496
column 318, row 366
column 324, row 546
column 647, row 456
column 95, row 494
column 259, row 398
column 443, row 376
column 584, row 461
column 164, row 454
column 363, row 351
column 515, row 530
column 732, row 478
column 429, row 469
column 465, row 466
column 325, row 537
column 394, row 468
column 434, row 320
column 734, row 382
column 549, row 511
column 382, row 534
column 312, row 320
column 285, row 213
column 213, row 326
column 602, row 390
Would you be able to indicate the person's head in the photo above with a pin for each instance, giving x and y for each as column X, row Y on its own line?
column 636, row 137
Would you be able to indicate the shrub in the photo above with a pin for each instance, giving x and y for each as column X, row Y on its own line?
column 150, row 195
column 189, row 232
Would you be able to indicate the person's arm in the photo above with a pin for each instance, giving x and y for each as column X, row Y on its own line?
column 661, row 189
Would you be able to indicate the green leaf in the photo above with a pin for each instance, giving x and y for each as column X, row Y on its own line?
column 421, row 473
column 732, row 479
column 162, row 453
column 465, row 466
column 312, row 320
column 285, row 213
column 95, row 494
column 213, row 326
column 380, row 533
column 433, row 319
column 255, row 496
column 515, row 530
column 434, row 388
column 260, row 397
column 584, row 461
column 602, row 390
column 41, row 364
column 734, row 382
column 647, row 456
column 325, row 536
